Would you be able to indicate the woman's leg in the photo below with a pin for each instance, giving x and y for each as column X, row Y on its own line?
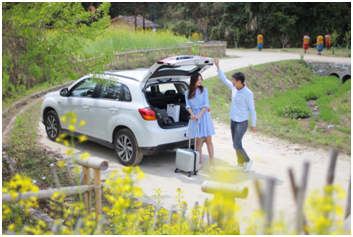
column 199, row 148
column 209, row 144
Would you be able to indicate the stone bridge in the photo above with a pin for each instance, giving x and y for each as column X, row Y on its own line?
column 340, row 70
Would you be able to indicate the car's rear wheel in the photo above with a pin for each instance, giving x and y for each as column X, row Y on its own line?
column 126, row 149
column 52, row 125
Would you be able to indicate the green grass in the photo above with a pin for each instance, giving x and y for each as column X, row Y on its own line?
column 123, row 39
column 336, row 109
column 281, row 91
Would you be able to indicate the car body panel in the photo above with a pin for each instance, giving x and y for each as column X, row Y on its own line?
column 104, row 114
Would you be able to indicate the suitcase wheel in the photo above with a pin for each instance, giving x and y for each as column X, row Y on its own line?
column 195, row 173
column 189, row 174
column 176, row 170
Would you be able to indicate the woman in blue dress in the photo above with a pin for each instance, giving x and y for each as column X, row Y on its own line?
column 197, row 104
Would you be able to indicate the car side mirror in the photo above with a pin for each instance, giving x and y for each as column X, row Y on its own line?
column 64, row 92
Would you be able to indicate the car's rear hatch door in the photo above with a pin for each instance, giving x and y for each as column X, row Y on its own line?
column 182, row 66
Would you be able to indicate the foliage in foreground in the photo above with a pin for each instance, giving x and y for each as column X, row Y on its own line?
column 124, row 214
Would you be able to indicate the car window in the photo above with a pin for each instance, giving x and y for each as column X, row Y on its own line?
column 111, row 90
column 167, row 87
column 127, row 94
column 84, row 88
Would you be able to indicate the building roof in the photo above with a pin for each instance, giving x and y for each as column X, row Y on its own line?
column 139, row 20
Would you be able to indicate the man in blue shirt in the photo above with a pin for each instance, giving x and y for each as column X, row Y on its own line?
column 241, row 107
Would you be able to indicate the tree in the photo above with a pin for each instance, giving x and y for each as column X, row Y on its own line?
column 347, row 38
column 334, row 38
column 236, row 36
column 285, row 24
column 46, row 41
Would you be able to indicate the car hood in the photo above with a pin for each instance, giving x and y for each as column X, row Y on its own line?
column 177, row 66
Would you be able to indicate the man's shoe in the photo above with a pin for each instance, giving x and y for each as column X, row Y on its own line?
column 238, row 167
column 247, row 166
column 211, row 169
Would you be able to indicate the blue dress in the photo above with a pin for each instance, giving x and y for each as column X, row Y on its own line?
column 205, row 126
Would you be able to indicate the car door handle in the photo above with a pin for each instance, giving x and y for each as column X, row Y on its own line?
column 113, row 109
column 85, row 107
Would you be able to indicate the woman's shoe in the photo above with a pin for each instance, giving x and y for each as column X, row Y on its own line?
column 211, row 169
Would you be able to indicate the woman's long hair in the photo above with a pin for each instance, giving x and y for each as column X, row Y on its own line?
column 193, row 80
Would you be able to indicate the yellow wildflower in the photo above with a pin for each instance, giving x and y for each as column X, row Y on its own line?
column 82, row 123
column 85, row 156
column 12, row 227
column 61, row 163
column 66, row 143
column 82, row 138
column 73, row 120
column 63, row 118
column 71, row 128
column 69, row 152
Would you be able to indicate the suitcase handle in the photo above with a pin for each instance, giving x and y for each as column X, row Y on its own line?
column 196, row 121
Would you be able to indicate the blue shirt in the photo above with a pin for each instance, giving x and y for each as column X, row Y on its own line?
column 242, row 102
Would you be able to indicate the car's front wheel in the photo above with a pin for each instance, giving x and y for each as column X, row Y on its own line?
column 52, row 125
column 126, row 149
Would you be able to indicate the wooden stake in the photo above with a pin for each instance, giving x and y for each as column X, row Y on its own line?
column 332, row 166
column 69, row 174
column 53, row 170
column 259, row 193
column 348, row 208
column 268, row 203
column 295, row 194
column 87, row 195
column 98, row 192
column 300, row 198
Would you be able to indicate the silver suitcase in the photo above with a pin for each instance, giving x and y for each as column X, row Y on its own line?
column 188, row 160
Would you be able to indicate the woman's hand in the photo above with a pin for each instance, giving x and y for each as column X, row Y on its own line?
column 193, row 117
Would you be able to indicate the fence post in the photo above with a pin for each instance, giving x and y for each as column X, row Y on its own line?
column 332, row 166
column 295, row 189
column 97, row 165
column 98, row 192
column 266, row 203
column 201, row 47
column 189, row 44
column 348, row 208
column 52, row 167
column 87, row 195
column 300, row 198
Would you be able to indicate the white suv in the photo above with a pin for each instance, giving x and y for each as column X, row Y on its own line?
column 119, row 108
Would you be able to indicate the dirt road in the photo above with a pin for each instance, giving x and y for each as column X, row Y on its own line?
column 272, row 158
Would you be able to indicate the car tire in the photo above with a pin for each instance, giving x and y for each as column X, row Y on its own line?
column 52, row 125
column 126, row 149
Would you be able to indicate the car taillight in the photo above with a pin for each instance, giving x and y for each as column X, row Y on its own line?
column 147, row 114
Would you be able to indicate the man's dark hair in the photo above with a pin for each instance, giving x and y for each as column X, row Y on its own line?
column 239, row 76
